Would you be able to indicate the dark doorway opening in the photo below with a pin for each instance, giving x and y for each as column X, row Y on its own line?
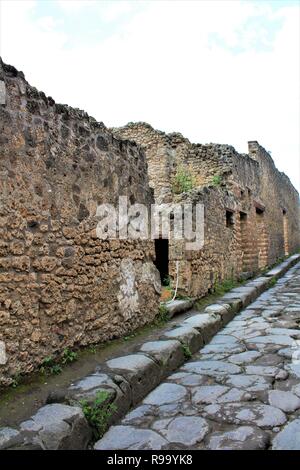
column 162, row 259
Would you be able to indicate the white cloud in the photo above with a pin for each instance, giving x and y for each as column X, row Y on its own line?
column 164, row 66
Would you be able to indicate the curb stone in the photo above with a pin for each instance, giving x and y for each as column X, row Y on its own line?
column 128, row 379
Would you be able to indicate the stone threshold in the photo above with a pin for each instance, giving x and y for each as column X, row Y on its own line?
column 126, row 380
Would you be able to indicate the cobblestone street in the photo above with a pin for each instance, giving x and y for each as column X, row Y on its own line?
column 241, row 391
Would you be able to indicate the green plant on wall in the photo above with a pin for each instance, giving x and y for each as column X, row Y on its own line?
column 216, row 180
column 183, row 181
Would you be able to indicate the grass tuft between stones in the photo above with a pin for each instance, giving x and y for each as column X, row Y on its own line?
column 98, row 413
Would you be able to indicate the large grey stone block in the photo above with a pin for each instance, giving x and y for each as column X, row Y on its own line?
column 10, row 438
column 57, row 427
column 141, row 372
column 186, row 335
column 175, row 307
column 168, row 353
column 226, row 312
column 207, row 324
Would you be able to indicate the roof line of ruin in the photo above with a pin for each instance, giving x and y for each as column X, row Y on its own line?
column 172, row 135
column 77, row 113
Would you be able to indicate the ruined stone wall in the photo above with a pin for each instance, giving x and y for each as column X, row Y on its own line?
column 60, row 286
column 248, row 185
column 200, row 271
column 279, row 197
column 168, row 153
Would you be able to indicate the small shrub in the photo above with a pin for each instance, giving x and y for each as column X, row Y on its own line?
column 186, row 351
column 127, row 338
column 16, row 379
column 182, row 297
column 68, row 356
column 183, row 181
column 55, row 370
column 163, row 314
column 272, row 282
column 167, row 282
column 49, row 366
column 98, row 413
column 225, row 286
column 216, row 180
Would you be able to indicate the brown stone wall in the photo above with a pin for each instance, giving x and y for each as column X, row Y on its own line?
column 264, row 203
column 60, row 286
column 279, row 197
column 201, row 270
column 166, row 153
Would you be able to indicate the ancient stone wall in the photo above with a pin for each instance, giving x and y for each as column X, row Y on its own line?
column 259, row 202
column 168, row 153
column 60, row 286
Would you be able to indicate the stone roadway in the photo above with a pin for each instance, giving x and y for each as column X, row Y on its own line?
column 241, row 391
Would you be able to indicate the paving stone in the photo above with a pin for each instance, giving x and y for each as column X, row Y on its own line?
column 296, row 389
column 286, row 352
column 280, row 340
column 244, row 358
column 224, row 339
column 10, row 438
column 235, row 394
column 131, row 438
column 139, row 415
column 57, row 426
column 166, row 393
column 282, row 375
column 190, row 380
column 208, row 393
column 212, row 356
column 284, row 331
column 288, row 438
column 264, row 416
column 169, row 410
column 252, row 383
column 285, row 401
column 262, row 370
column 161, row 424
column 212, row 368
column 272, row 360
column 233, row 348
column 241, row 438
column 293, row 369
column 186, row 430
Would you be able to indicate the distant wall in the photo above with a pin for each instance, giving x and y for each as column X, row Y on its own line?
column 60, row 286
column 263, row 203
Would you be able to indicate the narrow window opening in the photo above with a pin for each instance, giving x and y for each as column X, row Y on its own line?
column 229, row 219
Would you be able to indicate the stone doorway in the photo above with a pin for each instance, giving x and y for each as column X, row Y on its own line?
column 162, row 259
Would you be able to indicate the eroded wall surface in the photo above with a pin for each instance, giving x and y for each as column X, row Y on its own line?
column 60, row 286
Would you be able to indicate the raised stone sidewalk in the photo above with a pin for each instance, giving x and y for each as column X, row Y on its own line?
column 240, row 391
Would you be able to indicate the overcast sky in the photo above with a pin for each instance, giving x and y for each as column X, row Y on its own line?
column 216, row 71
